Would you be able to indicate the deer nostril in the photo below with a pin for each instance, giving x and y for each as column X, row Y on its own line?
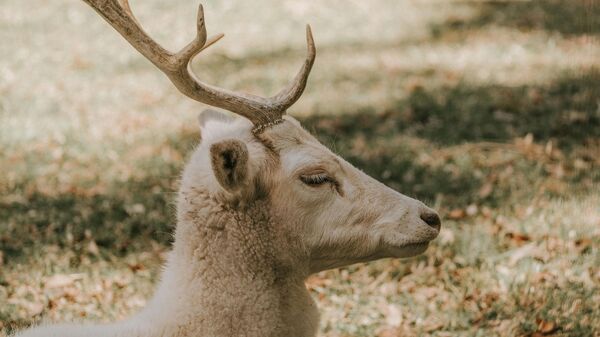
column 432, row 219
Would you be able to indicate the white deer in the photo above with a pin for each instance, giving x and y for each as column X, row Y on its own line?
column 262, row 205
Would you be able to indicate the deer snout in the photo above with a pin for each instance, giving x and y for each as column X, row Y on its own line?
column 431, row 218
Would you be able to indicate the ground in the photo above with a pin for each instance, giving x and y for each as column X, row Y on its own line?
column 488, row 111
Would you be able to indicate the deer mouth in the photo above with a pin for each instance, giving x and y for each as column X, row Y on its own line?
column 408, row 250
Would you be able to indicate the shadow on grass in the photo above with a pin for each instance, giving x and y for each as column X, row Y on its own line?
column 124, row 216
column 567, row 111
column 388, row 146
column 567, row 17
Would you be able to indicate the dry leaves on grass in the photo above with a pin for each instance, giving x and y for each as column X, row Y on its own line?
column 61, row 280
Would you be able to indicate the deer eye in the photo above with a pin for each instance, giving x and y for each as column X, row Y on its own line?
column 316, row 179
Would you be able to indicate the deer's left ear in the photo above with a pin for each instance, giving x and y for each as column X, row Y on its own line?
column 209, row 115
column 212, row 116
column 229, row 159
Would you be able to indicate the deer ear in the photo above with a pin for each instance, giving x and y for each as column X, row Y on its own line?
column 229, row 159
column 212, row 115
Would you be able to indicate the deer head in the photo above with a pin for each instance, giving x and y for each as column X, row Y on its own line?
column 328, row 212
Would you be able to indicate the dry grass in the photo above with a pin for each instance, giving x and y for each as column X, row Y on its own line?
column 489, row 111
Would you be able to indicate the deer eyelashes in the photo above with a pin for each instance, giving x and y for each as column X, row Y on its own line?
column 319, row 178
column 316, row 179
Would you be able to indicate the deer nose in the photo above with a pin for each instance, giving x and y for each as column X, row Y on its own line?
column 432, row 219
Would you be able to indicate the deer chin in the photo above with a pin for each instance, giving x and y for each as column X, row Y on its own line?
column 407, row 250
column 386, row 251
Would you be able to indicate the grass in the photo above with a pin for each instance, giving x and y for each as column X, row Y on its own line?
column 487, row 111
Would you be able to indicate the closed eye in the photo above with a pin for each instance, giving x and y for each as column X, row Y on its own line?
column 316, row 179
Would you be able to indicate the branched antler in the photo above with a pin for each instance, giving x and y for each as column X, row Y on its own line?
column 177, row 66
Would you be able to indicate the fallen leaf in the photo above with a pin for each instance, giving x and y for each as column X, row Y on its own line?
column 136, row 266
column 393, row 315
column 387, row 332
column 61, row 280
column 92, row 248
column 546, row 327
column 518, row 238
column 315, row 281
column 456, row 214
column 472, row 209
column 528, row 140
column 582, row 245
column 521, row 253
column 34, row 309
column 485, row 190
column 432, row 326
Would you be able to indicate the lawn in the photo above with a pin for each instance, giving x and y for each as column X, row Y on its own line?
column 488, row 111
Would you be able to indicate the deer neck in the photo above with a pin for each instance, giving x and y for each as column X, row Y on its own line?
column 225, row 240
column 225, row 271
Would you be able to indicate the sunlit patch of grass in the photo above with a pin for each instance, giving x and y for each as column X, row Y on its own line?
column 57, row 283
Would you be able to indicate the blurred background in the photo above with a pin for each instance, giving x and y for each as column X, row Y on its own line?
column 488, row 111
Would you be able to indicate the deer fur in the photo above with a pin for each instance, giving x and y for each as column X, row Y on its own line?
column 249, row 232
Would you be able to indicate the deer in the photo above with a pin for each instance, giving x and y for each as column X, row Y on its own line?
column 262, row 205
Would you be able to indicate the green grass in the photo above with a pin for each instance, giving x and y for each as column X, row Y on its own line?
column 489, row 112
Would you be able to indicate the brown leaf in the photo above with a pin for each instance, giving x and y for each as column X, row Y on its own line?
column 485, row 190
column 518, row 238
column 134, row 267
column 388, row 332
column 547, row 327
column 456, row 214
column 60, row 281
column 581, row 245
column 317, row 280
column 430, row 326
column 402, row 331
column 486, row 212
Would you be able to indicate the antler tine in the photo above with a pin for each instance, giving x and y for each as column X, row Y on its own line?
column 198, row 44
column 292, row 92
column 177, row 66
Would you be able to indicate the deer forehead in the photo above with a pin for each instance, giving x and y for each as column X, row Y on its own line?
column 298, row 151
column 307, row 159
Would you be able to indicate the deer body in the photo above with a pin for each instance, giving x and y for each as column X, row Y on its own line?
column 261, row 206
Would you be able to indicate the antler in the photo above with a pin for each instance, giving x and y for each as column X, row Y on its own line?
column 261, row 111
